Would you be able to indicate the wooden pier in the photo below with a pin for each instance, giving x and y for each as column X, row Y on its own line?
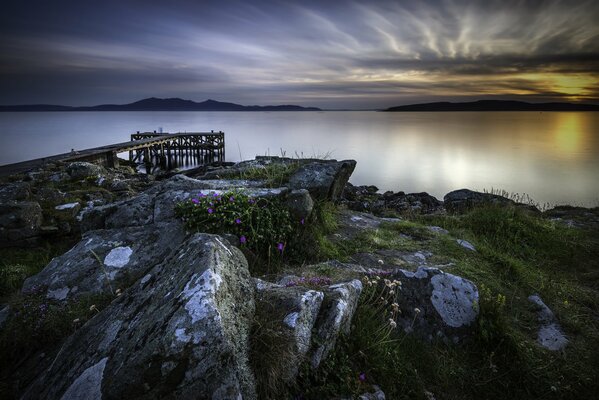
column 168, row 150
column 153, row 150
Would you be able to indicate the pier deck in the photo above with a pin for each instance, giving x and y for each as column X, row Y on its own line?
column 148, row 148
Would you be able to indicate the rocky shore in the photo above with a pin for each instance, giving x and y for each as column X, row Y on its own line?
column 147, row 305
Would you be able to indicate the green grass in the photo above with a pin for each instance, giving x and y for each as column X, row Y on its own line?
column 275, row 174
column 19, row 263
column 518, row 254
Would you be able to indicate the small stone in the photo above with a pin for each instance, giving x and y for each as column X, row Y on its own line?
column 466, row 244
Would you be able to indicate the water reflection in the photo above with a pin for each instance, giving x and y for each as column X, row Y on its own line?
column 554, row 157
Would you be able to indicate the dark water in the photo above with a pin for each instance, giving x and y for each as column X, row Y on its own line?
column 553, row 157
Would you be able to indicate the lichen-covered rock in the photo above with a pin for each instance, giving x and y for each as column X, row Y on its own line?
column 297, row 309
column 123, row 256
column 324, row 180
column 435, row 304
column 180, row 332
column 82, row 170
column 337, row 310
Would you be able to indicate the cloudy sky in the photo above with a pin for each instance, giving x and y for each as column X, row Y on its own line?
column 330, row 54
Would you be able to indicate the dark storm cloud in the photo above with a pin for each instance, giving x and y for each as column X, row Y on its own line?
column 330, row 54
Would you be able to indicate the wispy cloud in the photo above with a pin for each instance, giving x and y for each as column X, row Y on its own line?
column 336, row 54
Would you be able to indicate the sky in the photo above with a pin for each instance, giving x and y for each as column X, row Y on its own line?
column 328, row 54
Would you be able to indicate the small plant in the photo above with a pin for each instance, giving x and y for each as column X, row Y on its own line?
column 261, row 225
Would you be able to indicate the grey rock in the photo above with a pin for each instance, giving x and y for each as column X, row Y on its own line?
column 438, row 229
column 134, row 212
column 125, row 254
column 340, row 303
column 550, row 333
column 324, row 180
column 466, row 244
column 180, row 332
column 19, row 220
column 4, row 313
column 436, row 304
column 297, row 309
column 17, row 191
column 82, row 170
column 378, row 394
column 551, row 337
column 299, row 203
column 69, row 209
column 465, row 199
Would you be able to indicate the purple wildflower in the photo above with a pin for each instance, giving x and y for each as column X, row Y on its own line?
column 242, row 239
column 215, row 195
column 302, row 221
column 280, row 247
column 210, row 211
column 195, row 201
column 231, row 199
column 201, row 195
column 362, row 376
column 238, row 221
column 251, row 201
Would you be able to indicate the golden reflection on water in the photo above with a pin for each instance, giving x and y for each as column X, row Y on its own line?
column 568, row 136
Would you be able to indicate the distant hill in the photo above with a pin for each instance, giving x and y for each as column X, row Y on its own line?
column 155, row 104
column 496, row 105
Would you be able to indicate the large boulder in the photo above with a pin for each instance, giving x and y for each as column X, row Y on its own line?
column 324, row 180
column 106, row 260
column 157, row 204
column 465, row 199
column 180, row 332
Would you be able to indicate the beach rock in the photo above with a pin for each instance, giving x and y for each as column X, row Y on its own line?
column 464, row 199
column 19, row 221
column 418, row 203
column 123, row 256
column 550, row 334
column 180, row 332
column 366, row 198
column 82, row 170
column 335, row 317
column 299, row 203
column 324, row 180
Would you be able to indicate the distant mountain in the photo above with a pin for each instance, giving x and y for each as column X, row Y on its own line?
column 496, row 105
column 155, row 104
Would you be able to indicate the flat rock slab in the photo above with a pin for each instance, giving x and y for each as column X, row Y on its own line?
column 180, row 332
column 123, row 256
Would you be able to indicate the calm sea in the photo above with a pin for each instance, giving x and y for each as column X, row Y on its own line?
column 553, row 157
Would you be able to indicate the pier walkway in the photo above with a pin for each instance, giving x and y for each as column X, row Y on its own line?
column 148, row 148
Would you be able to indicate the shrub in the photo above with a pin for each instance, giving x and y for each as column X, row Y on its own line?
column 261, row 225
